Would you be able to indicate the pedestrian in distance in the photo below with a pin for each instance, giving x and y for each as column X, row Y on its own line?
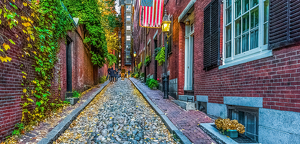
column 128, row 73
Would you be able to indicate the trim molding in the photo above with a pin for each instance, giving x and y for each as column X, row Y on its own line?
column 149, row 41
column 253, row 57
column 187, row 8
column 244, row 101
column 155, row 34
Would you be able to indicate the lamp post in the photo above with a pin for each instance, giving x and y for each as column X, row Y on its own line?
column 166, row 29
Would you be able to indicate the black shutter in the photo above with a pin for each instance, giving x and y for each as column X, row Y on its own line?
column 284, row 23
column 212, row 35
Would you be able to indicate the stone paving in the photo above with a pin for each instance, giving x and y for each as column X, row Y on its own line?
column 186, row 121
column 119, row 114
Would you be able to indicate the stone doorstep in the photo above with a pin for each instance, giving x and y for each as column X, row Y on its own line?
column 186, row 97
column 172, row 128
column 217, row 136
column 185, row 105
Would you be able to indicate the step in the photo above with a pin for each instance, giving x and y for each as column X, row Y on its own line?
column 185, row 105
column 186, row 98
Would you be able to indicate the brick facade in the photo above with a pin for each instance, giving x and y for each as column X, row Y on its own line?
column 83, row 73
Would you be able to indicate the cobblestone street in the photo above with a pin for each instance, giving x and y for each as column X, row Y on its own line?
column 119, row 114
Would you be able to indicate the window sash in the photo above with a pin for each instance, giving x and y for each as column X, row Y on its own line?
column 260, row 45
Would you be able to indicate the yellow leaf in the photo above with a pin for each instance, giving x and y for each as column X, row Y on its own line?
column 24, row 3
column 5, row 59
column 34, row 52
column 29, row 45
column 110, row 117
column 24, row 90
column 28, row 39
column 6, row 46
column 34, row 81
column 24, row 77
column 29, row 99
column 32, row 37
column 24, row 31
column 26, row 24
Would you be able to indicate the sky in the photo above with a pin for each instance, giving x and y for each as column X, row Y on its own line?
column 117, row 7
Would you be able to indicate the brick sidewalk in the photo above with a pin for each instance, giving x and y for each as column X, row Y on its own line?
column 187, row 121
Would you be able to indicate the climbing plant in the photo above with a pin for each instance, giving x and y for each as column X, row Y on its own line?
column 111, row 59
column 42, row 25
column 98, row 17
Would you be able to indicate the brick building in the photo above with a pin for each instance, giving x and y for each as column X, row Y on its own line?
column 238, row 59
column 127, row 9
column 73, row 71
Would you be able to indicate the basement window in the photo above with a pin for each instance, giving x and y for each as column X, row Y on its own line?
column 247, row 116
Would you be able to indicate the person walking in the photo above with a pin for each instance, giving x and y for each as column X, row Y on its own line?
column 108, row 73
column 116, row 75
column 129, row 74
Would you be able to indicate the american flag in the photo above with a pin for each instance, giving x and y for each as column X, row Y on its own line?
column 151, row 13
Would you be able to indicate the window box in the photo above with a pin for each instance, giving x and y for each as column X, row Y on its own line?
column 231, row 133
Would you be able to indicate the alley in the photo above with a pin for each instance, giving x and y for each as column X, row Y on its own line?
column 119, row 114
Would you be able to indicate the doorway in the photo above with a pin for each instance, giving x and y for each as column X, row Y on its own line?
column 189, row 57
column 69, row 65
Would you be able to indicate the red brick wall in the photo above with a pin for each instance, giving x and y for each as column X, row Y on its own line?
column 274, row 78
column 11, row 77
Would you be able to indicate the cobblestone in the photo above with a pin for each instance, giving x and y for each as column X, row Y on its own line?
column 186, row 121
column 119, row 114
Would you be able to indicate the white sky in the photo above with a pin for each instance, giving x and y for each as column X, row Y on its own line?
column 118, row 7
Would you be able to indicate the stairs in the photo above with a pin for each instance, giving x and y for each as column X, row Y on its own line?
column 186, row 102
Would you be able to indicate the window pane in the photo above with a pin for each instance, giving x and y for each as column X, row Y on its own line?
column 254, row 39
column 228, row 15
column 242, row 118
column 228, row 49
column 228, row 33
column 237, row 8
column 266, row 33
column 250, row 127
column 254, row 18
column 245, row 22
column 245, row 42
column 266, row 11
column 228, row 3
column 245, row 5
column 237, row 45
column 254, row 3
column 237, row 27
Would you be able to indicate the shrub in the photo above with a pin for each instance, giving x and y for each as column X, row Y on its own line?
column 137, row 75
column 76, row 94
column 142, row 75
column 152, row 83
column 103, row 79
column 227, row 124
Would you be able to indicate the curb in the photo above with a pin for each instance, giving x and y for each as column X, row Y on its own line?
column 62, row 126
column 172, row 128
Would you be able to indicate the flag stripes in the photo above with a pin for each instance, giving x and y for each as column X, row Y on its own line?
column 151, row 13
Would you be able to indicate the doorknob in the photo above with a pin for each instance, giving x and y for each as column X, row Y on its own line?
column 188, row 67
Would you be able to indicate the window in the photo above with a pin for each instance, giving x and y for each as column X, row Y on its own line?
column 245, row 29
column 128, row 38
column 128, row 18
column 128, row 8
column 128, row 28
column 248, row 117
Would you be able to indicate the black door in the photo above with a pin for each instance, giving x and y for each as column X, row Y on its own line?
column 69, row 66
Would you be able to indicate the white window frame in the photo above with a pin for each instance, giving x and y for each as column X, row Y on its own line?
column 128, row 28
column 128, row 38
column 257, row 53
column 128, row 18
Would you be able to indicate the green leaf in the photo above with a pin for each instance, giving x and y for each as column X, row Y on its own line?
column 38, row 104
column 0, row 11
column 14, row 6
column 11, row 41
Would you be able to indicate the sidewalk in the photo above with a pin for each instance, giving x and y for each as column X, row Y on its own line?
column 187, row 121
column 40, row 131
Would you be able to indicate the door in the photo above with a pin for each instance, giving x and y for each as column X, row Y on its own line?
column 189, row 48
column 69, row 66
